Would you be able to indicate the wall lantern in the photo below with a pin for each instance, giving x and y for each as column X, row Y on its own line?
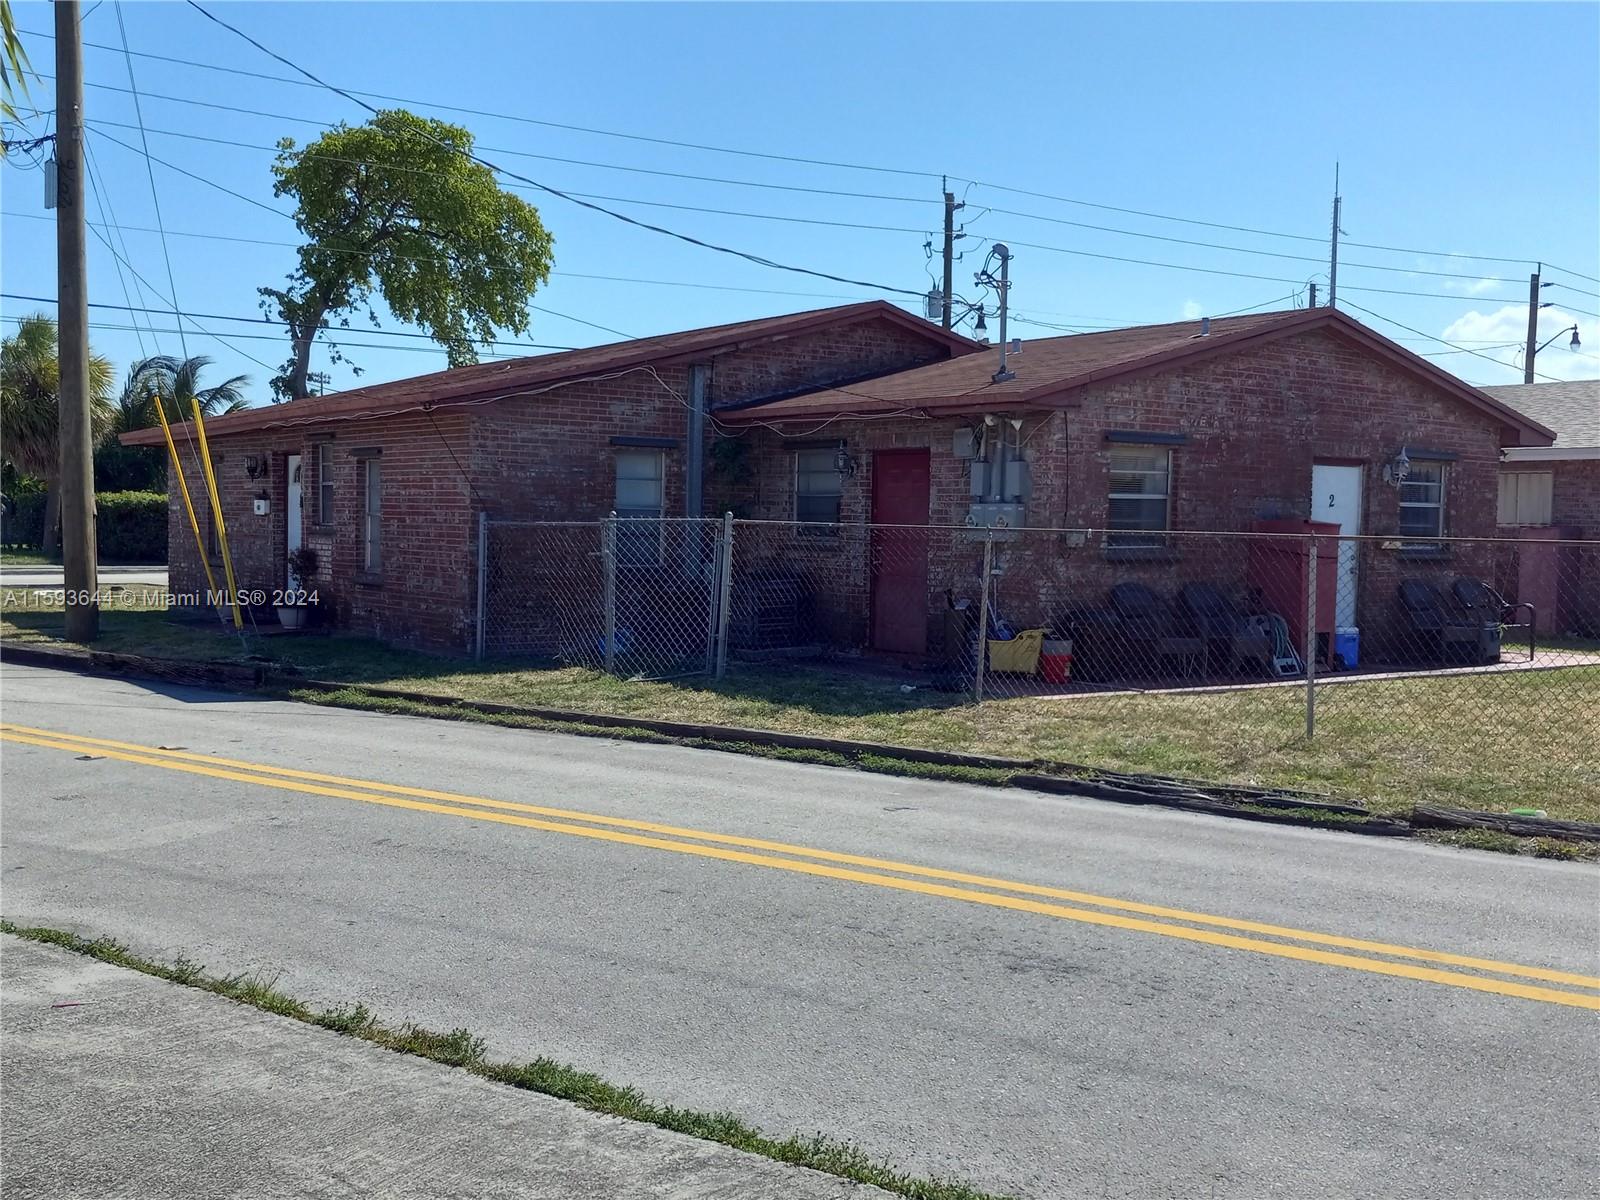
column 844, row 463
column 256, row 466
column 1395, row 472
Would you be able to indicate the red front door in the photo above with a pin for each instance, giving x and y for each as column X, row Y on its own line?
column 900, row 555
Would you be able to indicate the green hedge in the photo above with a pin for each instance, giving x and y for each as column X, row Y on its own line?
column 131, row 526
column 22, row 524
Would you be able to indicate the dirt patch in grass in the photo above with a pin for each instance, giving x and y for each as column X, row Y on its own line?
column 1516, row 739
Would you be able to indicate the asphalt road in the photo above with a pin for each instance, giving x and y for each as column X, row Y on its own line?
column 27, row 575
column 1099, row 1035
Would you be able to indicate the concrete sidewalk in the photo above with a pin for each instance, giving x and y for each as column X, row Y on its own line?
column 147, row 1089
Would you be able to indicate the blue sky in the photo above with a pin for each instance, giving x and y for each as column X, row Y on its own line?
column 1461, row 129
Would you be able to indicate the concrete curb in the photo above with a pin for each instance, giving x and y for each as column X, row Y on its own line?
column 1268, row 805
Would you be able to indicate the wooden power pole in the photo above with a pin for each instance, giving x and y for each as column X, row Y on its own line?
column 77, row 460
column 949, row 254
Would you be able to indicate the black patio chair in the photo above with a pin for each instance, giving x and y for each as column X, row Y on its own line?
column 1479, row 599
column 1443, row 628
column 1229, row 635
column 1151, row 632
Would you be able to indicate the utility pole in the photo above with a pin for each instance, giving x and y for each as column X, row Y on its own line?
column 950, row 207
column 1003, row 375
column 1333, row 255
column 77, row 463
column 1533, row 324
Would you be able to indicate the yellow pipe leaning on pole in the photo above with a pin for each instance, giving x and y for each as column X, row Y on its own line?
column 188, row 505
column 216, row 513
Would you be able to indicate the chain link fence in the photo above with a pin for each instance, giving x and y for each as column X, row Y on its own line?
column 1486, row 646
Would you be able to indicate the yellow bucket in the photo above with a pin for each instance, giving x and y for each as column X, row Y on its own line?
column 1020, row 654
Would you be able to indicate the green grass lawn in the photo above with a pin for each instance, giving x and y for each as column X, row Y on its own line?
column 26, row 558
column 1515, row 739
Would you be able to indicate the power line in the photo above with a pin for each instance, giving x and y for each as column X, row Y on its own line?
column 878, row 228
column 98, row 188
column 155, row 196
column 478, row 112
column 221, row 237
column 1463, row 349
column 820, row 191
column 268, row 337
column 759, row 260
column 313, row 81
column 401, row 333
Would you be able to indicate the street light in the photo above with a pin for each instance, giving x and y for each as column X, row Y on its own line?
column 1572, row 345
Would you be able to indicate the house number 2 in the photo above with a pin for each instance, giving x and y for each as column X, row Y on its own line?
column 1330, row 499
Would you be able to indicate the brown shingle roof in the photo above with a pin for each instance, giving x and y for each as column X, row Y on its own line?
column 1049, row 369
column 1571, row 409
column 489, row 379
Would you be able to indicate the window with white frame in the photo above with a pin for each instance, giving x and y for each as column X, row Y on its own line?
column 1422, row 501
column 1140, row 508
column 817, row 490
column 1525, row 497
column 639, row 501
column 324, row 453
column 371, row 515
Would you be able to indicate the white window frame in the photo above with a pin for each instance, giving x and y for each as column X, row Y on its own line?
column 1143, row 537
column 638, row 546
column 804, row 474
column 324, row 460
column 371, row 515
column 1526, row 498
column 1436, row 505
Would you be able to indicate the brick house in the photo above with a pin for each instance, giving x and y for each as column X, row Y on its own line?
column 1217, row 425
column 1552, row 492
column 385, row 483
column 1139, row 432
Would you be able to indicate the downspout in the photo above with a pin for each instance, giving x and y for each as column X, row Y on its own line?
column 694, row 458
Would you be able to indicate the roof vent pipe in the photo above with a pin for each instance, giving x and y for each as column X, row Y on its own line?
column 1205, row 326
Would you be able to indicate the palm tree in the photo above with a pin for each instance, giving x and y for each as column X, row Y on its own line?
column 177, row 382
column 30, row 383
column 14, row 64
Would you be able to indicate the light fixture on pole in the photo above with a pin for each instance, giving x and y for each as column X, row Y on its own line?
column 1574, row 344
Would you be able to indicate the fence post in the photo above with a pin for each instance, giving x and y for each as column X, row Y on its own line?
column 608, row 568
column 983, row 617
column 1311, row 637
column 480, row 632
column 724, row 594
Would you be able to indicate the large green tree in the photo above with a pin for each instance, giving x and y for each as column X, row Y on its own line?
column 119, row 468
column 395, row 207
column 30, row 386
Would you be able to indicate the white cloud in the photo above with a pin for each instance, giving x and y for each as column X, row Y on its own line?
column 1476, row 287
column 1191, row 310
column 1501, row 334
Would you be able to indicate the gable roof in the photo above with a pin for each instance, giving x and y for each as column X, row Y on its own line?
column 506, row 376
column 1571, row 409
column 1049, row 370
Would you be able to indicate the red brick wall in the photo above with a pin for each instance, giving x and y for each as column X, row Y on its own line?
column 1254, row 423
column 544, row 457
column 422, row 595
column 1573, row 574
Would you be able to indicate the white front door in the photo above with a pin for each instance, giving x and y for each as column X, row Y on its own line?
column 291, row 515
column 1336, row 499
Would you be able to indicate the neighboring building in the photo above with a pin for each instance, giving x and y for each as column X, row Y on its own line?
column 385, row 482
column 1193, row 426
column 1216, row 425
column 1551, row 492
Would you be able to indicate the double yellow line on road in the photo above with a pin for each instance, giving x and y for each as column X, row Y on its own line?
column 1406, row 962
